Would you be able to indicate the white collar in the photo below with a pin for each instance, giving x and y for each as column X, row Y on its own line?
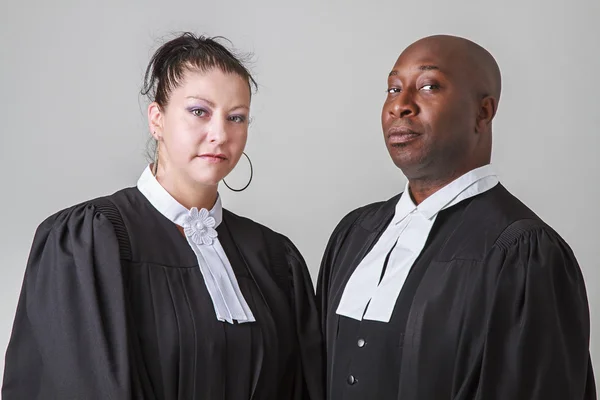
column 449, row 195
column 167, row 205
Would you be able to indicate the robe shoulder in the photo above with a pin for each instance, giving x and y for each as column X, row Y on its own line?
column 71, row 310
column 487, row 222
column 539, row 307
column 370, row 216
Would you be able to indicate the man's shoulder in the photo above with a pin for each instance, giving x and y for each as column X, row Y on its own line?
column 498, row 210
column 490, row 219
column 370, row 215
column 503, row 205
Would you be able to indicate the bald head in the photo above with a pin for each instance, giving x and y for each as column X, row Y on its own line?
column 477, row 65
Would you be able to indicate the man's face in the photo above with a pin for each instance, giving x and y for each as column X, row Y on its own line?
column 430, row 112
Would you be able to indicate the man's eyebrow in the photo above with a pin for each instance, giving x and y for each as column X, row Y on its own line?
column 426, row 67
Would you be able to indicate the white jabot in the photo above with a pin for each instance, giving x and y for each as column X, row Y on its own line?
column 200, row 231
column 365, row 296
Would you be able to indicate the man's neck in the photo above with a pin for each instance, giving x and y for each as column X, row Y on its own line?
column 422, row 187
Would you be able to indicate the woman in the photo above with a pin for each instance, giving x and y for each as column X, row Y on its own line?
column 157, row 292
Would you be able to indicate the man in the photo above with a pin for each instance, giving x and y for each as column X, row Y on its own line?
column 453, row 289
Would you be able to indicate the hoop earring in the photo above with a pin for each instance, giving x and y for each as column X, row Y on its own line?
column 155, row 165
column 251, row 176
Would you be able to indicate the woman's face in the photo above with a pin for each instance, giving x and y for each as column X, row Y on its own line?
column 202, row 130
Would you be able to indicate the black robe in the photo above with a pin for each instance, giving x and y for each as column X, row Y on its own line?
column 114, row 306
column 494, row 308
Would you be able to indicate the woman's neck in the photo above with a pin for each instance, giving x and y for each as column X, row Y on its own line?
column 188, row 194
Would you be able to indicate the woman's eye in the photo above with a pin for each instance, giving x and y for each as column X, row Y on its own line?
column 393, row 90
column 237, row 119
column 198, row 112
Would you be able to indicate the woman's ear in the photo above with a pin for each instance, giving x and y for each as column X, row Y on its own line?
column 155, row 120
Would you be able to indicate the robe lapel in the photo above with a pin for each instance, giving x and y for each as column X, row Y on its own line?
column 367, row 230
column 360, row 240
column 255, row 252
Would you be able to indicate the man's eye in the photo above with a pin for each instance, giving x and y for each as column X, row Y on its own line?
column 430, row 87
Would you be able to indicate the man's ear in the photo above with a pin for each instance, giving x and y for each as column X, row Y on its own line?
column 485, row 114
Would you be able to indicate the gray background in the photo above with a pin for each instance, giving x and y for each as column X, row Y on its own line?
column 73, row 126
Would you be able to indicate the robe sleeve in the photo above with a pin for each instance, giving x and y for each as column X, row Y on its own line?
column 69, row 335
column 537, row 343
column 310, row 373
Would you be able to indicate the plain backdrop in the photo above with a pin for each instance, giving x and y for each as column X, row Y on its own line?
column 73, row 126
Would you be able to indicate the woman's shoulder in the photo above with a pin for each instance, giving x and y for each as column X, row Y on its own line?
column 89, row 205
column 81, row 237
column 257, row 235
column 245, row 225
column 101, row 214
